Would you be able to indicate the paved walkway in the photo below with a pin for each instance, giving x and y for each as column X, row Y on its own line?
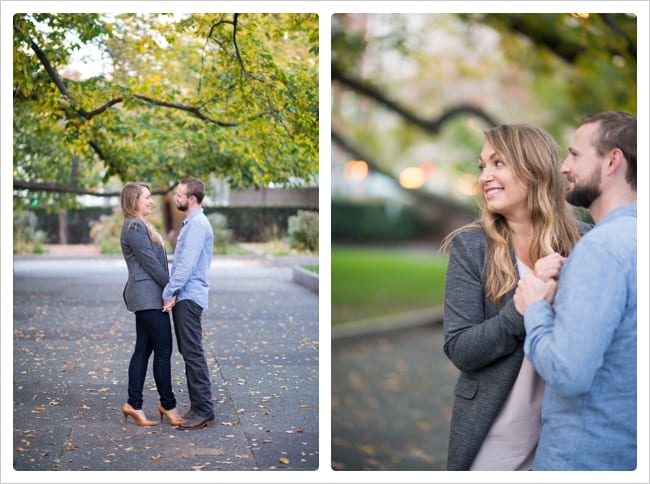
column 72, row 340
column 391, row 396
column 72, row 250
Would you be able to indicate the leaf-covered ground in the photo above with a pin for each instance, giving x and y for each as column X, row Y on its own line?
column 391, row 401
column 72, row 342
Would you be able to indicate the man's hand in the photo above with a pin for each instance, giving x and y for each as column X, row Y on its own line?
column 168, row 305
column 531, row 289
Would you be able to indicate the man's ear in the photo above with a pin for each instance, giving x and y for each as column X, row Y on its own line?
column 616, row 161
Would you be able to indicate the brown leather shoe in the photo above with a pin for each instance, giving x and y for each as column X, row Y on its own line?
column 189, row 414
column 196, row 422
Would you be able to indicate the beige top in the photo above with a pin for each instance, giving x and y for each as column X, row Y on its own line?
column 510, row 444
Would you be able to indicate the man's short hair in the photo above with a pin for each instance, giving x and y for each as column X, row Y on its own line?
column 194, row 187
column 616, row 129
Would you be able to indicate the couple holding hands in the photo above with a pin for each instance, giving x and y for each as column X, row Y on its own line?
column 152, row 293
column 540, row 308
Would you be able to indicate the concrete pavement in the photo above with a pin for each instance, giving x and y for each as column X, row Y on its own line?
column 72, row 340
column 392, row 390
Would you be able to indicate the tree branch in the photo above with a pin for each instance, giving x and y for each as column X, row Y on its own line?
column 58, row 82
column 63, row 188
column 234, row 42
column 562, row 47
column 103, row 108
column 609, row 20
column 357, row 153
column 430, row 125
column 432, row 207
column 56, row 79
column 207, row 39
column 195, row 111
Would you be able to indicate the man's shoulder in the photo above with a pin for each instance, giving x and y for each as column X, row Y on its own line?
column 198, row 223
column 198, row 217
column 616, row 225
column 617, row 237
column 203, row 219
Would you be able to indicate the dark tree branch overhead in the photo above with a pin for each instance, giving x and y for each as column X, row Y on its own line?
column 609, row 20
column 562, row 47
column 63, row 188
column 195, row 111
column 210, row 37
column 88, row 115
column 356, row 152
column 60, row 84
column 76, row 131
column 430, row 125
column 234, row 42
column 425, row 196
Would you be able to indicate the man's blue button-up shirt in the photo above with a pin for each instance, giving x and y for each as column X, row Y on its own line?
column 585, row 350
column 192, row 258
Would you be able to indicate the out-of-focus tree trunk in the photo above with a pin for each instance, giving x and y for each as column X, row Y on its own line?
column 63, row 227
column 172, row 218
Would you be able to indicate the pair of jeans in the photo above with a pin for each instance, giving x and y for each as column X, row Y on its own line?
column 189, row 338
column 153, row 335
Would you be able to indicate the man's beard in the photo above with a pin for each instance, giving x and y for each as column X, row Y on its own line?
column 182, row 208
column 585, row 195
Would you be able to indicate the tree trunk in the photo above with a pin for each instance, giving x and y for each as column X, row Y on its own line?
column 63, row 227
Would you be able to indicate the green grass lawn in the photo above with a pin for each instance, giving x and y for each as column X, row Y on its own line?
column 368, row 282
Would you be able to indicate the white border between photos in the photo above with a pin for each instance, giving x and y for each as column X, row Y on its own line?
column 324, row 474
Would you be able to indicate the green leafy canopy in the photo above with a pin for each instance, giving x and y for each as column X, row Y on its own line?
column 234, row 96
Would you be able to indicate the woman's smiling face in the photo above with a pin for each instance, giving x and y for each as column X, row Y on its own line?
column 504, row 193
column 145, row 202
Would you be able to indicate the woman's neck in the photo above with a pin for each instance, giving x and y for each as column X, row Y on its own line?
column 522, row 236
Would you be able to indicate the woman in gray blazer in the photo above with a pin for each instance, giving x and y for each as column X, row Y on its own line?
column 525, row 224
column 146, row 260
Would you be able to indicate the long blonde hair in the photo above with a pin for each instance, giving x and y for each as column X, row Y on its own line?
column 129, row 201
column 535, row 160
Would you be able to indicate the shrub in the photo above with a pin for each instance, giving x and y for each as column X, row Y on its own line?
column 222, row 234
column 27, row 239
column 272, row 232
column 303, row 230
column 105, row 232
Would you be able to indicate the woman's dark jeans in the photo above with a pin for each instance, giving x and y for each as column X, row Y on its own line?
column 153, row 334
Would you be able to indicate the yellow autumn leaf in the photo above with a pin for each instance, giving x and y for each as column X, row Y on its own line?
column 284, row 460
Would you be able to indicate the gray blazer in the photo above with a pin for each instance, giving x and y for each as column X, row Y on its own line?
column 483, row 340
column 147, row 265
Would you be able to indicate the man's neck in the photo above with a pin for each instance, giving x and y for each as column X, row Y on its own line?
column 192, row 209
column 603, row 206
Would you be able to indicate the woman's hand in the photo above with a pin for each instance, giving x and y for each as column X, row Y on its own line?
column 549, row 267
column 168, row 305
column 530, row 289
